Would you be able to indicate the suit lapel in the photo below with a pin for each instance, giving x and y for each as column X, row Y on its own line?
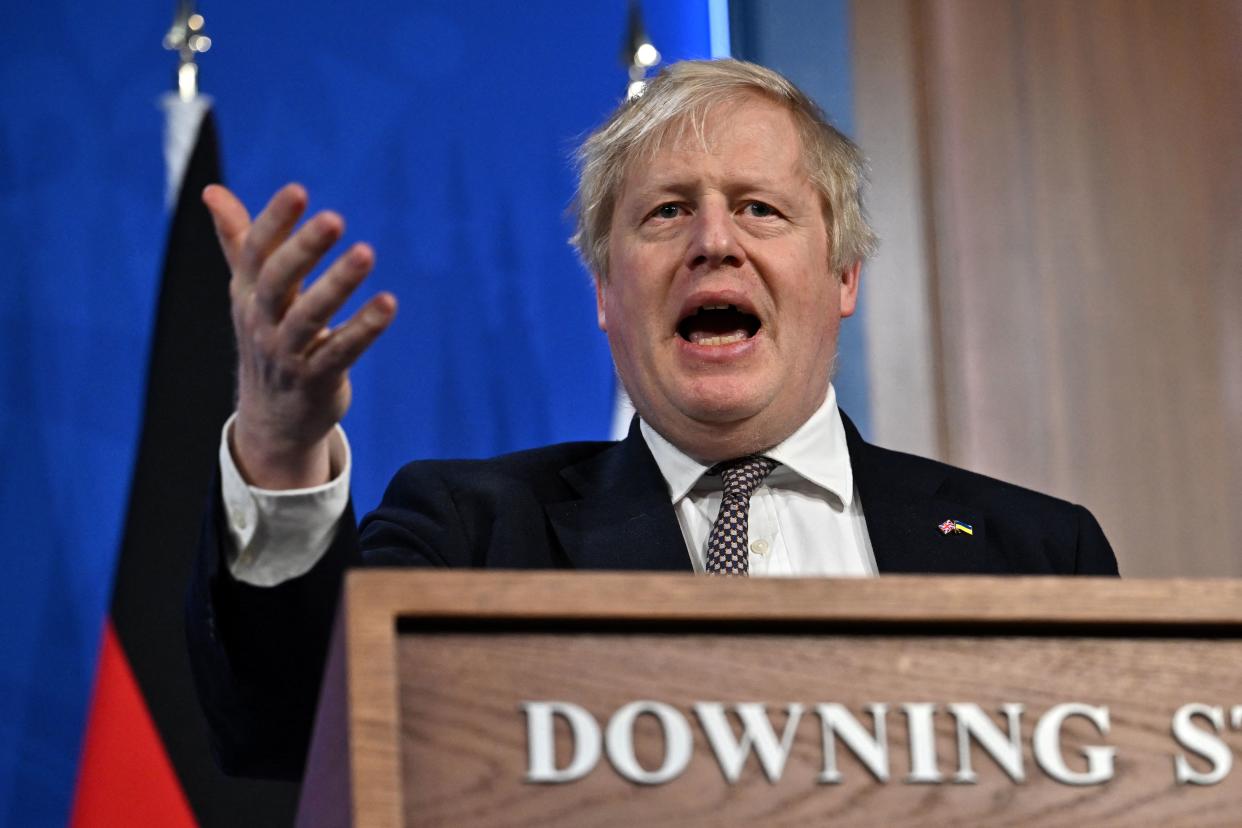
column 904, row 508
column 623, row 518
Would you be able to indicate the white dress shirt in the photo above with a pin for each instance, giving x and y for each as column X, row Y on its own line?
column 279, row 535
column 806, row 518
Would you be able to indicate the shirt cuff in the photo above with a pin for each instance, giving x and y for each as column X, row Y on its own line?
column 280, row 535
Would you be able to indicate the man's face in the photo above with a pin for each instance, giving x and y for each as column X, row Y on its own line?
column 720, row 306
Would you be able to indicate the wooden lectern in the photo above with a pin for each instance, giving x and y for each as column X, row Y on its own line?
column 533, row 699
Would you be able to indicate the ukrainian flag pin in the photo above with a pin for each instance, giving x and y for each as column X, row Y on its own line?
column 956, row 527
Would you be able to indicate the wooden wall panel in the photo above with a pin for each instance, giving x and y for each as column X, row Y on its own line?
column 1079, row 167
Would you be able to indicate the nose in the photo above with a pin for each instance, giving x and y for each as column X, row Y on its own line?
column 715, row 242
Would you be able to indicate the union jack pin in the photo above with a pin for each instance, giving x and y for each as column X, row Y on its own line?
column 950, row 527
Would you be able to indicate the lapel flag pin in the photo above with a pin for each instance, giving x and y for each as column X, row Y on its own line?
column 952, row 527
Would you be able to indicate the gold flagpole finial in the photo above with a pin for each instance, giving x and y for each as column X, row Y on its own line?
column 187, row 37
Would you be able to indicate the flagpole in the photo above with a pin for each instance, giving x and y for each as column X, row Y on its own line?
column 188, row 38
column 184, row 108
column 145, row 759
column 638, row 53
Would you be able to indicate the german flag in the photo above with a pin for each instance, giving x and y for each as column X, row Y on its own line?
column 146, row 758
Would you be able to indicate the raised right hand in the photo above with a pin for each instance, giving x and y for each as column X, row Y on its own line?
column 293, row 369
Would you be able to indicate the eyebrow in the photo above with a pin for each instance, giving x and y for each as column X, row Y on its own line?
column 681, row 186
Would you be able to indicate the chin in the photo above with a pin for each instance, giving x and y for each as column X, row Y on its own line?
column 722, row 409
column 724, row 401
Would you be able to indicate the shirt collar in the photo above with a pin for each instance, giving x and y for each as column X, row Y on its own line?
column 816, row 452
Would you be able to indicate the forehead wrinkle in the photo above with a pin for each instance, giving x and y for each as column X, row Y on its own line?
column 733, row 178
column 693, row 134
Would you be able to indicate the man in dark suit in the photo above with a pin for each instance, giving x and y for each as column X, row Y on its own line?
column 720, row 216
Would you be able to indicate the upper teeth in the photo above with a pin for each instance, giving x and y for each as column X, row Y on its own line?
column 715, row 307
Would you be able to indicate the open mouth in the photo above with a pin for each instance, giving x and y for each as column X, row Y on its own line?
column 718, row 325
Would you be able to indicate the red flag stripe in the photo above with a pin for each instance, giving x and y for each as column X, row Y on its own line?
column 125, row 777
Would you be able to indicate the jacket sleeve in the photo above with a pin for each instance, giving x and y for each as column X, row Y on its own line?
column 257, row 653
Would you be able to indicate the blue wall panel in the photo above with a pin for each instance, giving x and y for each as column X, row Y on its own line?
column 809, row 42
column 442, row 131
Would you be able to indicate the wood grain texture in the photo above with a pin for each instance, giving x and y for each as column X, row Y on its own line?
column 373, row 733
column 465, row 739
column 437, row 738
column 1084, row 193
column 892, row 599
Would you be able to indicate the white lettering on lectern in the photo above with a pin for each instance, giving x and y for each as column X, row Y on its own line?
column 1205, row 744
column 973, row 723
column 757, row 733
column 921, row 733
column 678, row 743
column 735, row 731
column 872, row 751
column 541, row 741
column 1047, row 746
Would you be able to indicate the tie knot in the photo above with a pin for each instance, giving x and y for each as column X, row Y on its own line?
column 743, row 475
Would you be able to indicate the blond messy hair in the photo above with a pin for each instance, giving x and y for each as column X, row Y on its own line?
column 681, row 95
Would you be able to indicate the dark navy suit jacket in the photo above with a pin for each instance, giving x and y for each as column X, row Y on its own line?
column 258, row 652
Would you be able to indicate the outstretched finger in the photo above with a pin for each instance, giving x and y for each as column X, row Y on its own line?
column 231, row 218
column 313, row 310
column 336, row 352
column 284, row 270
column 272, row 226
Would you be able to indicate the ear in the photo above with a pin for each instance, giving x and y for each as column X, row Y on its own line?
column 848, row 284
column 601, row 292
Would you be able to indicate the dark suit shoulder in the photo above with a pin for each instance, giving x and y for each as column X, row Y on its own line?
column 1018, row 530
column 955, row 479
column 475, row 513
column 529, row 467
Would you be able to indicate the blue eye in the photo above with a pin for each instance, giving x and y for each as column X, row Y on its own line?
column 667, row 211
column 760, row 210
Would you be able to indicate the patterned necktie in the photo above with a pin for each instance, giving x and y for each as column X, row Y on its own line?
column 727, row 545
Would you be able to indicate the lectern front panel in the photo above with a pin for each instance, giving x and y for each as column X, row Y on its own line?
column 536, row 699
column 946, row 726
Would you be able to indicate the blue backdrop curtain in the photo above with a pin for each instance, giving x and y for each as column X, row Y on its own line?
column 442, row 131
